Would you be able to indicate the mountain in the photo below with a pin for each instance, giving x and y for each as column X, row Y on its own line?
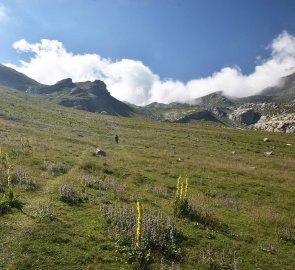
column 282, row 93
column 285, row 88
column 216, row 99
column 89, row 96
column 199, row 116
column 155, row 105
column 215, row 108
column 14, row 79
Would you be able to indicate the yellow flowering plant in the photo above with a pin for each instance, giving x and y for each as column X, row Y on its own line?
column 139, row 225
column 181, row 206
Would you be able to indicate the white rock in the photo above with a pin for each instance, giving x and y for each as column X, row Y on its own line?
column 268, row 153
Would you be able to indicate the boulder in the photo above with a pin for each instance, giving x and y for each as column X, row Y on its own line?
column 268, row 153
column 245, row 116
column 100, row 152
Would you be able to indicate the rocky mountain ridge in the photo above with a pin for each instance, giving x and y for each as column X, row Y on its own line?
column 89, row 96
column 273, row 106
column 269, row 110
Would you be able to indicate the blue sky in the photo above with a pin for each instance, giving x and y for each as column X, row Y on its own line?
column 178, row 39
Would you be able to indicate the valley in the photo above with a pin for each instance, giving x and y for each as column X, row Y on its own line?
column 243, row 200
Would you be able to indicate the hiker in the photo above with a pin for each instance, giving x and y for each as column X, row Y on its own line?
column 117, row 139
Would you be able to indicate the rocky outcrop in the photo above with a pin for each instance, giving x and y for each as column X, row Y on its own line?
column 245, row 116
column 89, row 96
column 217, row 111
column 279, row 123
column 49, row 89
column 198, row 116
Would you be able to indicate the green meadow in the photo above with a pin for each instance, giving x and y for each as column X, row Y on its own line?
column 241, row 201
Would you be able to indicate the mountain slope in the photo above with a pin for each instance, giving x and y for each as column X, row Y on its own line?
column 216, row 99
column 286, row 87
column 243, row 201
column 89, row 96
column 215, row 107
column 14, row 79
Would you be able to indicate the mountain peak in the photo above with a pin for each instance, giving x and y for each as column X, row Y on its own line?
column 215, row 99
column 65, row 83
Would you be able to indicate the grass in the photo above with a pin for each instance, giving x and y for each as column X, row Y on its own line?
column 250, row 197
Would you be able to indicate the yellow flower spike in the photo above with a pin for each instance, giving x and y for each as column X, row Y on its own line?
column 7, row 159
column 181, row 191
column 9, row 178
column 9, row 183
column 139, row 224
column 186, row 187
column 178, row 187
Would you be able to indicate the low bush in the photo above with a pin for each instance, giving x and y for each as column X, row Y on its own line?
column 45, row 211
column 22, row 176
column 55, row 168
column 286, row 233
column 4, row 207
column 218, row 260
column 158, row 234
column 68, row 194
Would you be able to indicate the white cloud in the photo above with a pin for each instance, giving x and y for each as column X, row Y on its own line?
column 132, row 81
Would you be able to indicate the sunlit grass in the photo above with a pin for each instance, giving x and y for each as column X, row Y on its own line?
column 246, row 199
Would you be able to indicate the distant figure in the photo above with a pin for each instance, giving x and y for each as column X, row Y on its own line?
column 117, row 139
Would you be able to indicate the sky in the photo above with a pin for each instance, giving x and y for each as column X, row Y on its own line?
column 152, row 50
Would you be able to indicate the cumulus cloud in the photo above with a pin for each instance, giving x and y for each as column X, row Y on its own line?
column 132, row 81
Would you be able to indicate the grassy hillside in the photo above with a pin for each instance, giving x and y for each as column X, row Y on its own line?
column 11, row 78
column 243, row 202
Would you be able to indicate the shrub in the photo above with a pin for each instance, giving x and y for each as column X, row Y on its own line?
column 211, row 259
column 23, row 177
column 101, row 184
column 286, row 233
column 55, row 169
column 68, row 194
column 158, row 234
column 46, row 211
column 4, row 207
